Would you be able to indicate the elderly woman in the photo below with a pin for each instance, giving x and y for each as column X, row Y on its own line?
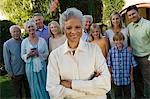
column 57, row 38
column 76, row 69
column 116, row 27
column 34, row 52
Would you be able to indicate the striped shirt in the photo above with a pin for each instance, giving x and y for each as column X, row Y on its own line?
column 120, row 62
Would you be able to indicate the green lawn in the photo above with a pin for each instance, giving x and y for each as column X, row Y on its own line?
column 6, row 89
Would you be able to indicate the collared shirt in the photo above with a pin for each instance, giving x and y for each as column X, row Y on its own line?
column 12, row 57
column 43, row 33
column 140, row 37
column 85, row 36
column 78, row 68
column 120, row 62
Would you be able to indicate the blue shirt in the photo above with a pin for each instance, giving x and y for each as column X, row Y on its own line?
column 43, row 33
column 12, row 57
column 85, row 36
column 120, row 62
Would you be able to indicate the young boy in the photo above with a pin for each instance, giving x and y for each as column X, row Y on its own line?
column 121, row 62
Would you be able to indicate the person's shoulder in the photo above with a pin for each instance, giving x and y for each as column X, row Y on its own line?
column 130, row 24
column 108, row 30
column 25, row 40
column 146, row 21
column 8, row 42
column 45, row 26
column 41, row 39
column 57, row 51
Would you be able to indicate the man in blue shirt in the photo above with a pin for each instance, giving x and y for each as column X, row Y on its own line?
column 87, row 21
column 14, row 64
column 42, row 30
column 121, row 62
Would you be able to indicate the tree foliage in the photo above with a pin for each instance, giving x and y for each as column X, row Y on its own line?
column 110, row 6
column 19, row 11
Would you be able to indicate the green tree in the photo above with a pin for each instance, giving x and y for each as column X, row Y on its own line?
column 19, row 11
column 110, row 6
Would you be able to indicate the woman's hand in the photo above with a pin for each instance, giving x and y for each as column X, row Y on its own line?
column 33, row 53
column 66, row 83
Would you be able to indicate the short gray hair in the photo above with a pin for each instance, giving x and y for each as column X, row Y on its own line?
column 14, row 26
column 30, row 23
column 70, row 13
column 89, row 17
column 38, row 14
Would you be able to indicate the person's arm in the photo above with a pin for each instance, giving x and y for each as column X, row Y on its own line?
column 131, row 74
column 53, row 84
column 98, row 85
column 24, row 54
column 106, row 48
column 44, row 54
column 7, row 59
column 133, row 64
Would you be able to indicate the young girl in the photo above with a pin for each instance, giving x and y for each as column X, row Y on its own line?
column 97, row 38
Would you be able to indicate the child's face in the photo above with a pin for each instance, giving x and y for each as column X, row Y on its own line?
column 95, row 33
column 119, row 43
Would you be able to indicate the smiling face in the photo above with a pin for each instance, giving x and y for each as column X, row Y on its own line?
column 95, row 33
column 54, row 29
column 73, row 30
column 115, row 20
column 119, row 43
column 133, row 15
column 15, row 33
column 87, row 23
column 31, row 30
column 39, row 21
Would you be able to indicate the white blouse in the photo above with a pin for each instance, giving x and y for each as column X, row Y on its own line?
column 109, row 35
column 42, row 48
column 78, row 68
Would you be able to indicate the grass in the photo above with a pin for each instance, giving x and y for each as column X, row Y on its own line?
column 6, row 88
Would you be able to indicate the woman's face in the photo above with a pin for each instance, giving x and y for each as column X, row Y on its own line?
column 95, row 33
column 115, row 20
column 73, row 29
column 31, row 30
column 53, row 29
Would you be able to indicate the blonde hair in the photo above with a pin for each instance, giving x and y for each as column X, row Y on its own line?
column 92, row 27
column 121, row 23
column 118, row 36
column 57, row 25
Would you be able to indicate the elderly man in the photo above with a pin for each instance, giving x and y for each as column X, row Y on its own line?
column 87, row 21
column 14, row 64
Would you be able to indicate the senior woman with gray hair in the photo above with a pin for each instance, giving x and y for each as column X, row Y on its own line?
column 34, row 52
column 76, row 69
